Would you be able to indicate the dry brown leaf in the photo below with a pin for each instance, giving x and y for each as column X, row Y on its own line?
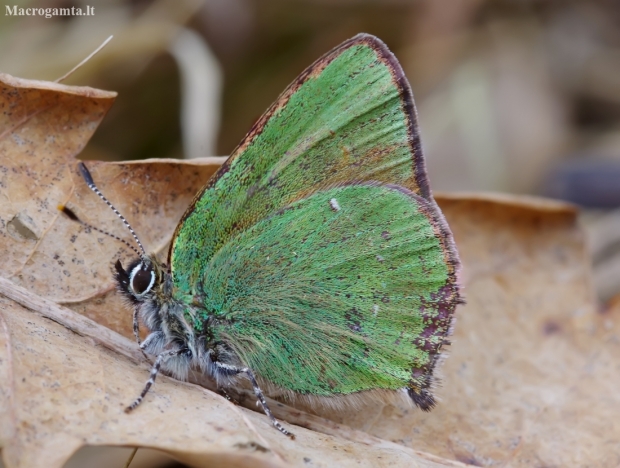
column 59, row 392
column 530, row 380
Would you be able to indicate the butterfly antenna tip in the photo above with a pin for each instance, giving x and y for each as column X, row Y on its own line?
column 73, row 217
column 88, row 178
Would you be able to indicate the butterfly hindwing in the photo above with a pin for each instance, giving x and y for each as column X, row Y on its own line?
column 346, row 290
column 348, row 117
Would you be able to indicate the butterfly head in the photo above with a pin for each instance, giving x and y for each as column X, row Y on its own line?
column 141, row 279
column 145, row 274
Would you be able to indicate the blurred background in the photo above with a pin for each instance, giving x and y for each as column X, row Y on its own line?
column 518, row 96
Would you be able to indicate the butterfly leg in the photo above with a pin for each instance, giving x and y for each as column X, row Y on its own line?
column 136, row 332
column 231, row 370
column 154, row 371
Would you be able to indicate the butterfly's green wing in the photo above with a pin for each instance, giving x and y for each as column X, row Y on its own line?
column 348, row 117
column 347, row 290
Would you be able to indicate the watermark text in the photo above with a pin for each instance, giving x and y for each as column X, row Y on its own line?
column 49, row 12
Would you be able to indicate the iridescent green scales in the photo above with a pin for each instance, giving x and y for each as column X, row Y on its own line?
column 319, row 300
column 317, row 252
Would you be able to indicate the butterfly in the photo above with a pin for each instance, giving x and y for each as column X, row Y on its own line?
column 315, row 261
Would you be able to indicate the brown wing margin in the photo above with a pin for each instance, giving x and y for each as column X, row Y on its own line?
column 419, row 166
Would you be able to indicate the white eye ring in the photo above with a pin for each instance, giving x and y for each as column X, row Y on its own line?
column 134, row 272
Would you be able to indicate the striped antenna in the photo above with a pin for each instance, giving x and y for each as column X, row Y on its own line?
column 72, row 216
column 91, row 184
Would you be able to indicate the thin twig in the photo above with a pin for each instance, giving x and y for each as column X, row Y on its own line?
column 133, row 454
column 66, row 75
column 73, row 321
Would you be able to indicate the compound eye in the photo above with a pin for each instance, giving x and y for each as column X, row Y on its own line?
column 142, row 279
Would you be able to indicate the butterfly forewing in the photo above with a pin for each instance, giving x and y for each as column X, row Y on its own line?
column 348, row 117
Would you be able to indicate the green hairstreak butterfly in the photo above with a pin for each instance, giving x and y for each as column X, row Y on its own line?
column 315, row 261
